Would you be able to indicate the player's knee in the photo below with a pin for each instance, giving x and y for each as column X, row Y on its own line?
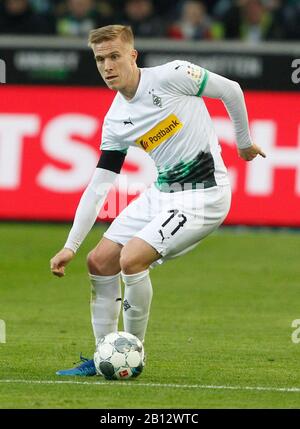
column 92, row 262
column 99, row 266
column 130, row 264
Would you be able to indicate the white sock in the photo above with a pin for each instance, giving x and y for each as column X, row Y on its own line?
column 105, row 304
column 137, row 301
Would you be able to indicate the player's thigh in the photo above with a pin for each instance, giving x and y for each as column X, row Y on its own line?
column 177, row 230
column 137, row 255
column 104, row 259
column 213, row 210
column 131, row 220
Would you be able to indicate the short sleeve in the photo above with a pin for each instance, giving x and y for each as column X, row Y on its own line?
column 109, row 141
column 185, row 78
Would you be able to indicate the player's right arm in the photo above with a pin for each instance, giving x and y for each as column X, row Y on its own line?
column 93, row 198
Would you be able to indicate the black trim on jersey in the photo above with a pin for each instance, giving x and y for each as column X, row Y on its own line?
column 111, row 160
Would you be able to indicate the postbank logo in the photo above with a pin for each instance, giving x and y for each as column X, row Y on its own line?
column 160, row 133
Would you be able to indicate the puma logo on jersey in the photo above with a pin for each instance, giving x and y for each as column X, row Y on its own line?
column 162, row 235
column 129, row 121
column 160, row 133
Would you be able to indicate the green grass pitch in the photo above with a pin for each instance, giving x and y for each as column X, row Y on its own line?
column 219, row 335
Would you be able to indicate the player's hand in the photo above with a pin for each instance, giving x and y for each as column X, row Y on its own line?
column 60, row 260
column 251, row 152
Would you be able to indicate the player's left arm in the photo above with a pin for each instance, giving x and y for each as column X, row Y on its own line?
column 231, row 94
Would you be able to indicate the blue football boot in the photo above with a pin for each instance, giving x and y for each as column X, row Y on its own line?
column 86, row 369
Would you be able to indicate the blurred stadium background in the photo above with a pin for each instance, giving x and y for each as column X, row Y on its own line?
column 51, row 111
column 54, row 101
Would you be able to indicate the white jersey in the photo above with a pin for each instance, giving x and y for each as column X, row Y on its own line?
column 168, row 119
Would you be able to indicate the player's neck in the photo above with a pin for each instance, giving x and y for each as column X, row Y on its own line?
column 130, row 90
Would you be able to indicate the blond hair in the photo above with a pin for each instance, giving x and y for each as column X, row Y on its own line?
column 111, row 32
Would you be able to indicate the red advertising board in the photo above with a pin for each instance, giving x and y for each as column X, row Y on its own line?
column 49, row 147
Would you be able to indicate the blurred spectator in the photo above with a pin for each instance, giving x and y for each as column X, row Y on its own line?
column 221, row 8
column 44, row 6
column 107, row 10
column 194, row 23
column 140, row 15
column 210, row 5
column 250, row 20
column 81, row 16
column 290, row 16
column 18, row 17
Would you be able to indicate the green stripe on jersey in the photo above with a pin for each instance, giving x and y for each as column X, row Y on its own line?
column 203, row 83
column 196, row 173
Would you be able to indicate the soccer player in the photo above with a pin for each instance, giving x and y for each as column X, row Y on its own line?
column 161, row 111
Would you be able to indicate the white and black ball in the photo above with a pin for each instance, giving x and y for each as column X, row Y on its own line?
column 119, row 356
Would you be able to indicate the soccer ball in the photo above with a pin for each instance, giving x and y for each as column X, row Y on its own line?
column 119, row 356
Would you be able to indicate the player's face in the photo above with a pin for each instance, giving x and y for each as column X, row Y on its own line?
column 116, row 62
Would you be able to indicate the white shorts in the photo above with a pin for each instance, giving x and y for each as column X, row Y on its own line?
column 172, row 223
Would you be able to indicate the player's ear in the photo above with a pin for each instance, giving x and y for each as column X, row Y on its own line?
column 134, row 54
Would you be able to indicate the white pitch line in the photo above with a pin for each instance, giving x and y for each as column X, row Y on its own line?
column 172, row 386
